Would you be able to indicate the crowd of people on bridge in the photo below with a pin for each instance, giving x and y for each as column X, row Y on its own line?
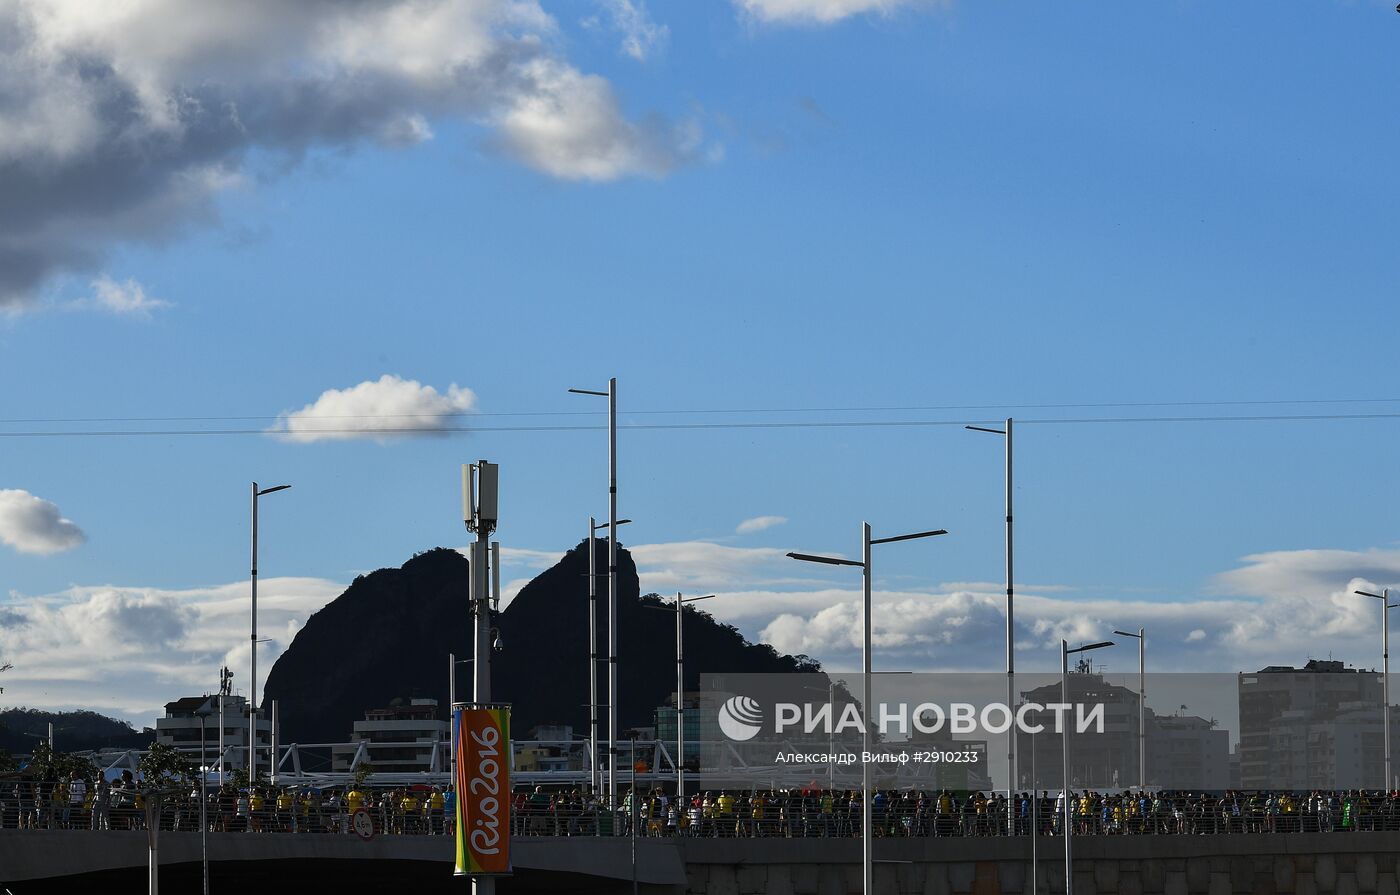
column 795, row 813
column 79, row 803
column 422, row 809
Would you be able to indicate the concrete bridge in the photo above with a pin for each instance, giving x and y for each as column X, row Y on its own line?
column 43, row 861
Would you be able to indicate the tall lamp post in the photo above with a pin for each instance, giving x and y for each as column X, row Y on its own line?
column 1141, row 636
column 452, row 663
column 867, row 839
column 1010, row 625
column 679, row 609
column 1065, row 652
column 593, row 772
column 204, row 713
column 253, row 644
column 611, row 395
column 1386, row 606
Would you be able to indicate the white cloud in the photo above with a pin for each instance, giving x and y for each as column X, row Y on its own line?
column 641, row 37
column 1303, row 573
column 759, row 523
column 569, row 125
column 127, row 298
column 819, row 12
column 128, row 650
column 123, row 122
column 1284, row 608
column 692, row 566
column 379, row 409
column 31, row 524
column 522, row 557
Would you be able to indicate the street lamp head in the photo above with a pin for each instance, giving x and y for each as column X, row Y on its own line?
column 1084, row 649
column 1367, row 593
column 265, row 491
column 585, row 391
column 598, row 525
column 1126, row 633
column 985, row 429
column 828, row 560
column 694, row 599
column 910, row 537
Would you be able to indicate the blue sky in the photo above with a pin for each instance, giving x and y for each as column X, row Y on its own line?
column 796, row 205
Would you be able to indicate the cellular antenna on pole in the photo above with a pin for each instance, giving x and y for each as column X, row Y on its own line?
column 480, row 490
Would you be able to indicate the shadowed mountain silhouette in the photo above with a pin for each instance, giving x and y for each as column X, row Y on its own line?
column 390, row 633
column 23, row 728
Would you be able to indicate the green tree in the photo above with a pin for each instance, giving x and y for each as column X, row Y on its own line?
column 362, row 773
column 51, row 765
column 166, row 763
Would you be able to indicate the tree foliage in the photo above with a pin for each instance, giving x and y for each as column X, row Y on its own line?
column 166, row 763
column 51, row 765
column 362, row 773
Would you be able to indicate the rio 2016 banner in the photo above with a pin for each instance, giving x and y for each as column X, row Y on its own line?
column 483, row 789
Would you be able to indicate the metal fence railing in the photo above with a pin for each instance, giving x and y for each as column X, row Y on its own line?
column 424, row 810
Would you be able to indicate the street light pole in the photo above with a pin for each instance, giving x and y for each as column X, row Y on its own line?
column 680, row 694
column 1384, row 597
column 611, row 395
column 253, row 645
column 203, row 801
column 451, row 701
column 452, row 663
column 1010, row 618
column 680, row 704
column 867, row 810
column 1064, row 698
column 867, row 839
column 1141, row 636
column 594, row 778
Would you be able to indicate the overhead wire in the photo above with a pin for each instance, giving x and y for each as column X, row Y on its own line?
column 770, row 424
column 713, row 411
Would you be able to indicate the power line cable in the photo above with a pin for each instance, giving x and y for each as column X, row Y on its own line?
column 809, row 424
column 714, row 411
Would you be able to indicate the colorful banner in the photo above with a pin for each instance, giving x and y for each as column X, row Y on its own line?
column 483, row 789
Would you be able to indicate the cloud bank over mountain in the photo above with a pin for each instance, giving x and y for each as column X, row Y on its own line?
column 126, row 650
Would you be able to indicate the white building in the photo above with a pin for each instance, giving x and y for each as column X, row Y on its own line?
column 399, row 739
column 1187, row 752
column 1315, row 727
column 180, row 727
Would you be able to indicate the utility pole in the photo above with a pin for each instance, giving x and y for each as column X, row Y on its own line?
column 613, row 523
column 593, row 769
column 480, row 484
column 253, row 644
column 867, row 835
column 1141, row 636
column 1065, row 653
column 272, row 770
column 1010, row 619
column 1386, row 606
